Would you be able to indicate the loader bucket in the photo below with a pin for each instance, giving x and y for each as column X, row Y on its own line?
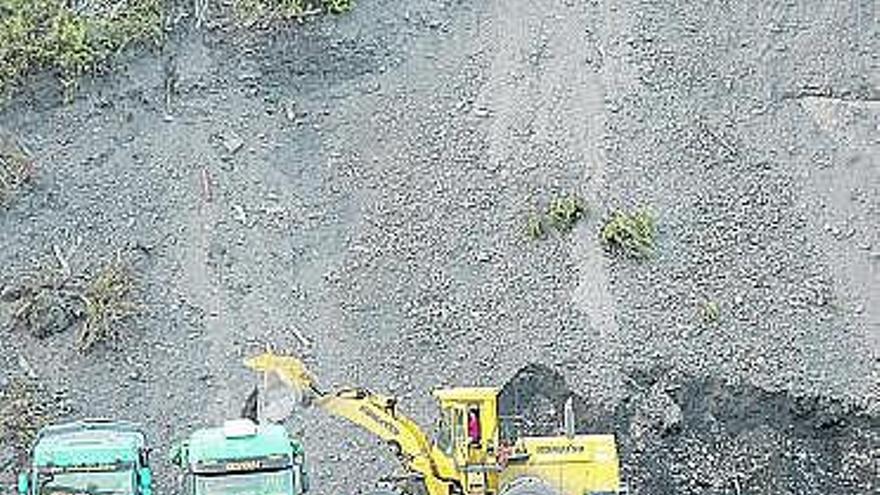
column 285, row 384
column 290, row 369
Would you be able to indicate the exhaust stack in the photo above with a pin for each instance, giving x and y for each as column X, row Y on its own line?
column 568, row 417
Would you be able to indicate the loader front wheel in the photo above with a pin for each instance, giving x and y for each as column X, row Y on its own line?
column 529, row 486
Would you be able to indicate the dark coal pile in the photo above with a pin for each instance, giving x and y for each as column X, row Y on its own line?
column 701, row 435
column 531, row 403
column 708, row 436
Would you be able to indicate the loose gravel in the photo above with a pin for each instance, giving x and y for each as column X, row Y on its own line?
column 357, row 189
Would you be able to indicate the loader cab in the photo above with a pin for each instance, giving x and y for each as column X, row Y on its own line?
column 468, row 421
column 467, row 434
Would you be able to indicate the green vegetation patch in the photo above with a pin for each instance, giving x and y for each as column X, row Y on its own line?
column 631, row 233
column 565, row 212
column 253, row 10
column 536, row 228
column 49, row 34
column 338, row 6
column 562, row 214
column 710, row 312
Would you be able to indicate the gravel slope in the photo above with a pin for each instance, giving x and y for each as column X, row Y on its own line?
column 357, row 190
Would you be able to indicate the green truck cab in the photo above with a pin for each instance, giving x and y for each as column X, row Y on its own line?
column 92, row 457
column 242, row 458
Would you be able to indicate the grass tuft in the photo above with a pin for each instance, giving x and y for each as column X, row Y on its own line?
column 338, row 6
column 535, row 228
column 709, row 312
column 631, row 233
column 51, row 300
column 565, row 212
column 253, row 10
column 106, row 302
column 49, row 34
column 562, row 215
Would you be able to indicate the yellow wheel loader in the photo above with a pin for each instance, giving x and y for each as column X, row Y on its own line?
column 476, row 449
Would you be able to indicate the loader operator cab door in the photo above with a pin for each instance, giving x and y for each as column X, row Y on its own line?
column 458, row 432
column 466, row 430
column 443, row 435
column 467, row 435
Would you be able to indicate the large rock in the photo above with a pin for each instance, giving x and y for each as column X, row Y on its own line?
column 658, row 414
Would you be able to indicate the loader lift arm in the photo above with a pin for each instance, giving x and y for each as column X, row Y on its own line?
column 373, row 412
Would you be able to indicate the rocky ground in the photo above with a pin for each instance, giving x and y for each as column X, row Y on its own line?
column 356, row 189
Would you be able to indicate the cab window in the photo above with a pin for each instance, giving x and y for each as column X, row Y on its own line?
column 460, row 427
column 444, row 432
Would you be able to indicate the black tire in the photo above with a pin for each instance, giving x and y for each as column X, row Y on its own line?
column 529, row 486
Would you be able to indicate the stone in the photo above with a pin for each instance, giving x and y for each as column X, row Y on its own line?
column 659, row 412
column 232, row 142
column 7, row 457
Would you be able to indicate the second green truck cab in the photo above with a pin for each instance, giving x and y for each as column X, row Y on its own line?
column 93, row 457
column 242, row 458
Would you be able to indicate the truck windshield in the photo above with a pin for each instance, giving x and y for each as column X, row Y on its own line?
column 87, row 483
column 252, row 483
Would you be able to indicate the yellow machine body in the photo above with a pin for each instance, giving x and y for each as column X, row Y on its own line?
column 576, row 465
column 467, row 455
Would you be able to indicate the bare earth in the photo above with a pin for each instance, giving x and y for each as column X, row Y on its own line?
column 356, row 190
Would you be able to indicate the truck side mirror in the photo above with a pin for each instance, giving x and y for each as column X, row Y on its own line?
column 146, row 480
column 304, row 478
column 176, row 456
column 23, row 483
column 302, row 471
column 144, row 456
